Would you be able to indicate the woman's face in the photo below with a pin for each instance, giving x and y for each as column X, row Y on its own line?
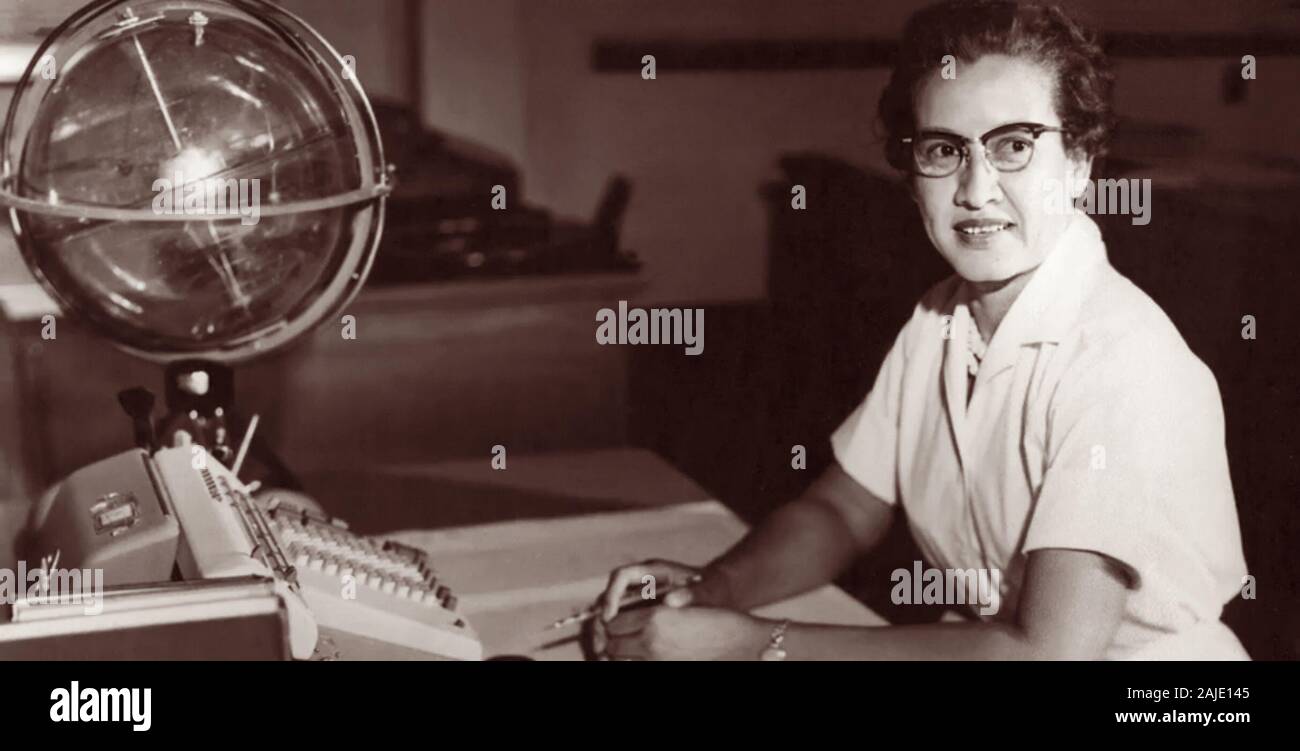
column 993, row 226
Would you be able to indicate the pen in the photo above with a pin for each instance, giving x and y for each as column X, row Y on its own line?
column 631, row 599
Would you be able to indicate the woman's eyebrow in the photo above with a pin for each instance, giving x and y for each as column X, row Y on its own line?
column 939, row 132
column 955, row 134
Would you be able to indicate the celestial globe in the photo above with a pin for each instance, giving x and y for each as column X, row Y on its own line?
column 194, row 179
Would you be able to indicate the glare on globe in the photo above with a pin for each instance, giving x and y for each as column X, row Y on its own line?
column 193, row 178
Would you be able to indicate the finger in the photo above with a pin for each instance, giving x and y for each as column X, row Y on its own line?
column 619, row 581
column 627, row 623
column 671, row 573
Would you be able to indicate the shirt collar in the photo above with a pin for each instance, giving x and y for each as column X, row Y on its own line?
column 1048, row 307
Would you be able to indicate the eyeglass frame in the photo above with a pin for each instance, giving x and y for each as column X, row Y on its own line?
column 1034, row 129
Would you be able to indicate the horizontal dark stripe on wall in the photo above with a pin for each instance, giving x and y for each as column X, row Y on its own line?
column 624, row 56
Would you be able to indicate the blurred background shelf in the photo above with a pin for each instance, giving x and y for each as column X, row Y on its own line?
column 436, row 371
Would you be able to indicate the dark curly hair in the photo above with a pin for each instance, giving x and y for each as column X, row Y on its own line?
column 970, row 29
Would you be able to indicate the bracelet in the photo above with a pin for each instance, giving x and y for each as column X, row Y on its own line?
column 774, row 650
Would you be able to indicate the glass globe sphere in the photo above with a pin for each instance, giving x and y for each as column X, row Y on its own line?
column 193, row 178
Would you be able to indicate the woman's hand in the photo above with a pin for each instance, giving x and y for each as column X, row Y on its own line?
column 687, row 633
column 689, row 586
column 684, row 585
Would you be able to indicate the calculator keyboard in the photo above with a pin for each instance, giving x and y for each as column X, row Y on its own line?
column 379, row 589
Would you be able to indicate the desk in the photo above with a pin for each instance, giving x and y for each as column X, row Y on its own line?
column 514, row 578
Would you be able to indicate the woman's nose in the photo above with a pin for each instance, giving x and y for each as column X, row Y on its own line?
column 979, row 183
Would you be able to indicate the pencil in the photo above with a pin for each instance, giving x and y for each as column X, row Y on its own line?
column 630, row 599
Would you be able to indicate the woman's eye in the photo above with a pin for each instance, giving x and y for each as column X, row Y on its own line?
column 941, row 150
column 1014, row 146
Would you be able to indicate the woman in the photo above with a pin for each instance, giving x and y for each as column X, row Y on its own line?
column 1039, row 418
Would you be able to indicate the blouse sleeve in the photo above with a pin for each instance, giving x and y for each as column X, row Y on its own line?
column 866, row 444
column 1137, row 471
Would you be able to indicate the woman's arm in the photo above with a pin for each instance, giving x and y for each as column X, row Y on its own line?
column 1070, row 609
column 802, row 545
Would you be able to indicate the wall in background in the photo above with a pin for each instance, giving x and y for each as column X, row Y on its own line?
column 474, row 73
column 373, row 32
column 697, row 146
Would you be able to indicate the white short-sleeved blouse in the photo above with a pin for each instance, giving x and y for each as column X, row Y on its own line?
column 1091, row 426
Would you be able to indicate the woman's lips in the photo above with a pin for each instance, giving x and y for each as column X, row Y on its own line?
column 981, row 227
column 981, row 234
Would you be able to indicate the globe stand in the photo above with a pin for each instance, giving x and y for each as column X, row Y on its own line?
column 200, row 395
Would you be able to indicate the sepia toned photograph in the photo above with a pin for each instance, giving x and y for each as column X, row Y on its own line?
column 613, row 330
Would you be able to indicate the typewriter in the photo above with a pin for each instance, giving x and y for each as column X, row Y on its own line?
column 179, row 514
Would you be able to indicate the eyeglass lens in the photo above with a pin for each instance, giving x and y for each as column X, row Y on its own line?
column 940, row 155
